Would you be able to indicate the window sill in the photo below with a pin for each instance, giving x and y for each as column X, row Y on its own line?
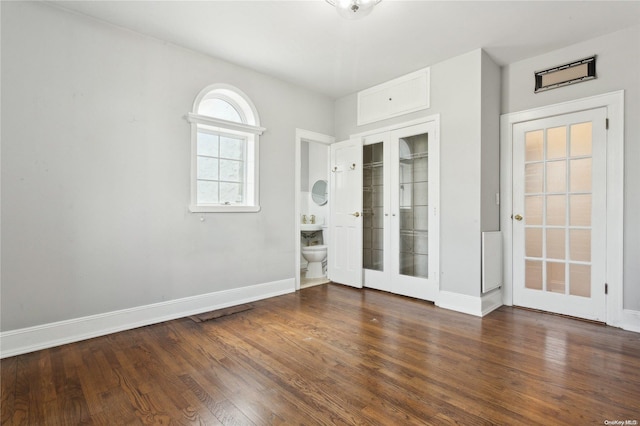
column 224, row 209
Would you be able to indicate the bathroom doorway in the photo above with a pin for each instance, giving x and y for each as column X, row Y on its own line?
column 311, row 168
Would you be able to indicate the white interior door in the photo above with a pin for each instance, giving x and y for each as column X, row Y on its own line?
column 400, row 205
column 415, row 220
column 345, row 238
column 376, row 211
column 559, row 212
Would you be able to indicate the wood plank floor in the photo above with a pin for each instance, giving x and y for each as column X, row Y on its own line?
column 335, row 355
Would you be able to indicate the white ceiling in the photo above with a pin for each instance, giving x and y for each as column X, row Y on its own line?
column 307, row 43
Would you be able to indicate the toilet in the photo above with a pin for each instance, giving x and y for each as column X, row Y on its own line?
column 315, row 255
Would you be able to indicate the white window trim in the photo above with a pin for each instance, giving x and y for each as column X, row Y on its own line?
column 250, row 131
column 224, row 124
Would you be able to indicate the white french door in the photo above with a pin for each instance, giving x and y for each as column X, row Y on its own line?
column 345, row 238
column 559, row 214
column 400, row 211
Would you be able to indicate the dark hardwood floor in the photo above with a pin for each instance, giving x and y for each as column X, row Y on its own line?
column 335, row 355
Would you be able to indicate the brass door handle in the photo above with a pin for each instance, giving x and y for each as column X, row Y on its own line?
column 356, row 214
column 518, row 217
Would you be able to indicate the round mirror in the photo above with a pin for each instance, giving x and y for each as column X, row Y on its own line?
column 319, row 192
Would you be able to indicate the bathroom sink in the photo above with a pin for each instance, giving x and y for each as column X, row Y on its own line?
column 310, row 227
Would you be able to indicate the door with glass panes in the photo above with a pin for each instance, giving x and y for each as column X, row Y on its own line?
column 400, row 211
column 559, row 214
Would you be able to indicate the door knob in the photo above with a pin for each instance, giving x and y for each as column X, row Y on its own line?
column 356, row 214
column 518, row 217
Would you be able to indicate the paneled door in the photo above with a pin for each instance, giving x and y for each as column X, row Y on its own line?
column 559, row 214
column 400, row 195
column 345, row 238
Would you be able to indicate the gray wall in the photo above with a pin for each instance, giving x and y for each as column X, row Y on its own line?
column 618, row 68
column 95, row 171
column 460, row 88
column 490, row 154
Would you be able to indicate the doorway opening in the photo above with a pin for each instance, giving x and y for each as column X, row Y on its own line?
column 311, row 172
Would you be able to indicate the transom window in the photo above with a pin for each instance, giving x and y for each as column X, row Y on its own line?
column 224, row 166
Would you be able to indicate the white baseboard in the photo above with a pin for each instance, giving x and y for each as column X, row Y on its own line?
column 16, row 342
column 630, row 320
column 478, row 306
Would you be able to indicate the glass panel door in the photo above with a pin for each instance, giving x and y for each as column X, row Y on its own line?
column 400, row 195
column 414, row 196
column 559, row 228
column 376, row 235
column 373, row 207
column 413, row 199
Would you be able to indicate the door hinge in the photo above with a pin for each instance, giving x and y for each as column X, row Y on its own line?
column 606, row 123
column 606, row 288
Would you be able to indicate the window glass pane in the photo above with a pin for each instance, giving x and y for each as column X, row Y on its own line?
column 421, row 243
column 406, row 174
column 413, row 199
column 406, row 219
column 533, row 274
column 421, row 265
column 376, row 174
column 581, row 139
column 377, row 220
column 373, row 207
column 555, row 277
column 555, row 243
column 421, row 218
column 533, row 210
column 533, row 242
column 367, row 259
column 580, row 279
column 533, row 145
column 207, row 168
column 207, row 192
column 377, row 260
column 377, row 151
column 232, row 148
column 556, row 210
column 219, row 108
column 231, row 170
column 580, row 175
column 231, row 192
column 421, row 169
column 207, row 144
column 377, row 239
column 556, row 176
column 556, row 142
column 580, row 210
column 533, row 178
column 420, row 193
column 580, row 244
column 367, row 236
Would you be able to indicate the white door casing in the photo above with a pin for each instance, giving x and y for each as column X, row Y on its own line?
column 559, row 210
column 345, row 195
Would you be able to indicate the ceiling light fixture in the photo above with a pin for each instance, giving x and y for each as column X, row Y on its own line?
column 353, row 9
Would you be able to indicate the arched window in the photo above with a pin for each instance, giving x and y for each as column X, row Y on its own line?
column 224, row 143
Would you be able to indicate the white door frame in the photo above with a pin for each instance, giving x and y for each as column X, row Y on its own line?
column 614, row 103
column 303, row 136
